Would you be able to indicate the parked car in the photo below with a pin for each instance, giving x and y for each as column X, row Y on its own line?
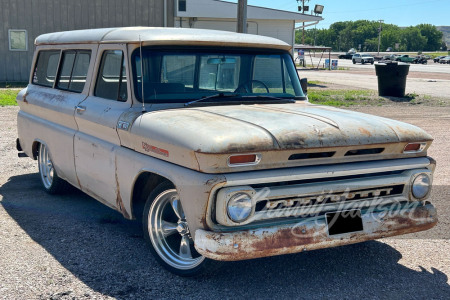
column 207, row 138
column 445, row 60
column 362, row 58
column 436, row 59
column 347, row 55
column 406, row 59
column 422, row 59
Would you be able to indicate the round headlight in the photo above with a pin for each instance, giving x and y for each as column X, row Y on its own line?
column 421, row 186
column 239, row 207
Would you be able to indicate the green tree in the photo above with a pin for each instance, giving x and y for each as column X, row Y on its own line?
column 349, row 34
column 434, row 36
column 413, row 39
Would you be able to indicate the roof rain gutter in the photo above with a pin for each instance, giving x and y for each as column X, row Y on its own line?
column 307, row 25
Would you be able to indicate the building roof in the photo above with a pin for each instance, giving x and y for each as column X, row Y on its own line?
column 218, row 9
column 161, row 36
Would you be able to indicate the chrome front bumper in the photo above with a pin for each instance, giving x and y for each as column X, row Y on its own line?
column 310, row 234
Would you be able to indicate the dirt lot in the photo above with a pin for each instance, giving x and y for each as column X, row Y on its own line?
column 72, row 247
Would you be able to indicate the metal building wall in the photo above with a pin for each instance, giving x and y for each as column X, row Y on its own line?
column 43, row 16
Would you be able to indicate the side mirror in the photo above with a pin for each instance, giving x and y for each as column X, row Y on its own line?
column 304, row 85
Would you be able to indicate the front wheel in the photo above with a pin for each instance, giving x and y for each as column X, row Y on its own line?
column 52, row 183
column 354, row 61
column 166, row 229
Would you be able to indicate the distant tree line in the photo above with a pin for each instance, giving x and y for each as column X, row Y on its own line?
column 342, row 36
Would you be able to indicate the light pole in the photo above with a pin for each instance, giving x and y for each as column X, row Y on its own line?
column 242, row 16
column 379, row 36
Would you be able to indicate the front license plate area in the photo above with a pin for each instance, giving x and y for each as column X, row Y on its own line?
column 344, row 222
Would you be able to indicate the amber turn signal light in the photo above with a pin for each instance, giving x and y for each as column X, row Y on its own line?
column 414, row 147
column 244, row 159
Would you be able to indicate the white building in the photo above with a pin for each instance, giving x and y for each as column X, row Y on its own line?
column 23, row 23
column 222, row 15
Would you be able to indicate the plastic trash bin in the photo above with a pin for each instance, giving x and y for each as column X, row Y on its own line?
column 391, row 78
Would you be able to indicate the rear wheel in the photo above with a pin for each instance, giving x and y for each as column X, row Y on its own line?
column 167, row 231
column 52, row 183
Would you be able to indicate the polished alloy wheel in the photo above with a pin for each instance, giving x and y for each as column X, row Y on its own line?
column 45, row 167
column 169, row 232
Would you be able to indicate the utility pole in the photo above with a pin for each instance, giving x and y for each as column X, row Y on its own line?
column 303, row 28
column 379, row 36
column 242, row 16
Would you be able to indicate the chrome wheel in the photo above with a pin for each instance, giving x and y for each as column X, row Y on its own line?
column 169, row 232
column 45, row 167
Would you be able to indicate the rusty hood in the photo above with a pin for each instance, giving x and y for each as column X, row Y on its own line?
column 250, row 128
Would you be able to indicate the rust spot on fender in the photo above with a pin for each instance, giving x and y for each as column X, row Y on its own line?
column 25, row 98
column 119, row 201
column 365, row 131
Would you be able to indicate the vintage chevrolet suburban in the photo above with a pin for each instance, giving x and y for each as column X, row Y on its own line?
column 208, row 138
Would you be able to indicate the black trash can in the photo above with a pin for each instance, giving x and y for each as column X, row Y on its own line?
column 392, row 78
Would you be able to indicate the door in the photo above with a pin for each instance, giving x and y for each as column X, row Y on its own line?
column 97, row 116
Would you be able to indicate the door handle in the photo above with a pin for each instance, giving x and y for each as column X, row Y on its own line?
column 80, row 108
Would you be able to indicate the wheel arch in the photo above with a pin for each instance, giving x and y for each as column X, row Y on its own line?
column 35, row 147
column 144, row 183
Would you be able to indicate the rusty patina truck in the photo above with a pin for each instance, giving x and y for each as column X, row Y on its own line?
column 208, row 139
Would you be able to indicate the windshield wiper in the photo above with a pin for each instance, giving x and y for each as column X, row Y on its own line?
column 266, row 97
column 220, row 95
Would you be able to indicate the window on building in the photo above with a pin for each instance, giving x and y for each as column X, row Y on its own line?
column 181, row 5
column 18, row 40
column 73, row 70
column 46, row 66
column 111, row 78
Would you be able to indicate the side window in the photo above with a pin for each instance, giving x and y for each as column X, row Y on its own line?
column 111, row 78
column 73, row 70
column 46, row 66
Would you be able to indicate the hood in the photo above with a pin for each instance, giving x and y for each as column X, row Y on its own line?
column 251, row 128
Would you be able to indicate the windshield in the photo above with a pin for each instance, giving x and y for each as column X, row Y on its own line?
column 180, row 76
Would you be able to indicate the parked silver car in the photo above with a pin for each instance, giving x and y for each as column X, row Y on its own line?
column 362, row 58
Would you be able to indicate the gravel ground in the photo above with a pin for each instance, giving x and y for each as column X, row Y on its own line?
column 72, row 247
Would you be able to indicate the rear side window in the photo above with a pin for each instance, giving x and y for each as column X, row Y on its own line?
column 73, row 70
column 111, row 78
column 46, row 66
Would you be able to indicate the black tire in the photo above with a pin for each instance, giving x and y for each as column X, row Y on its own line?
column 371, row 62
column 362, row 61
column 163, row 244
column 50, row 180
column 354, row 61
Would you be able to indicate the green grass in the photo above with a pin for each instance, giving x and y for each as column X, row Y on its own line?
column 8, row 97
column 341, row 97
column 315, row 82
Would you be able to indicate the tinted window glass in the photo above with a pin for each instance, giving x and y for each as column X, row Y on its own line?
column 73, row 70
column 79, row 72
column 267, row 72
column 111, row 79
column 66, row 70
column 46, row 67
column 191, row 74
column 181, row 5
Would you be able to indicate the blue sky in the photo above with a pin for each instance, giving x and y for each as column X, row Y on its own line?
column 398, row 12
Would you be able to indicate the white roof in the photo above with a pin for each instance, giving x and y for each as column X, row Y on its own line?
column 161, row 36
column 219, row 9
